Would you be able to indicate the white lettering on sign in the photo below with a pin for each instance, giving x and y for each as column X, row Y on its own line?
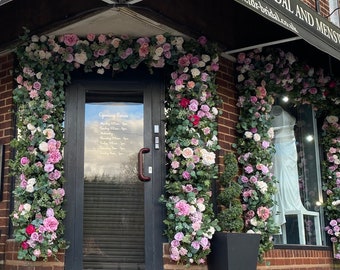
column 327, row 31
column 289, row 12
column 267, row 11
column 304, row 15
column 285, row 4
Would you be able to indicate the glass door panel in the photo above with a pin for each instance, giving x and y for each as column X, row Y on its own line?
column 113, row 219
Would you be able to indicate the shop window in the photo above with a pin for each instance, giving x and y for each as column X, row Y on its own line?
column 297, row 167
column 334, row 13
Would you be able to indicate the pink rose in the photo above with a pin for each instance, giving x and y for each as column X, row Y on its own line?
column 187, row 152
column 263, row 213
column 24, row 161
column 202, row 40
column 91, row 37
column 48, row 167
column 51, row 224
column 70, row 39
column 183, row 208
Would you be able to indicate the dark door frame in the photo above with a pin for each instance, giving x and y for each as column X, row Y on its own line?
column 153, row 89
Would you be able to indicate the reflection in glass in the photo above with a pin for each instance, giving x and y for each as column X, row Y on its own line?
column 114, row 134
column 113, row 195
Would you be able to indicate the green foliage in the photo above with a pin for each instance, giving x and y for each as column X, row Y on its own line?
column 230, row 216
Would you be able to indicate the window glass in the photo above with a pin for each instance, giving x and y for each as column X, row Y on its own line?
column 296, row 166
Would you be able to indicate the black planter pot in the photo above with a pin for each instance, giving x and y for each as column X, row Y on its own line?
column 234, row 251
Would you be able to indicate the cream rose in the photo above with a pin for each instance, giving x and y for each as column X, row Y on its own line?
column 43, row 147
column 49, row 133
column 208, row 158
column 187, row 152
column 195, row 72
column 80, row 57
column 257, row 137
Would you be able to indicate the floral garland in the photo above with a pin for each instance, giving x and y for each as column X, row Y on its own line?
column 45, row 64
column 262, row 76
column 192, row 142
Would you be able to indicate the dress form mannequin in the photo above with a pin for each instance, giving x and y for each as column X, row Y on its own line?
column 285, row 167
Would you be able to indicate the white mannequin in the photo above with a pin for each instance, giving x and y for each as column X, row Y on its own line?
column 285, row 167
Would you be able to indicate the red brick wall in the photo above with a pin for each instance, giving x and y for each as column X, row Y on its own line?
column 323, row 5
column 229, row 117
column 6, row 135
column 287, row 259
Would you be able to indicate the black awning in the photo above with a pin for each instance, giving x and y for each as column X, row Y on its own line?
column 298, row 18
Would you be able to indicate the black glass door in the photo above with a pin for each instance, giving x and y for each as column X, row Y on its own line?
column 114, row 166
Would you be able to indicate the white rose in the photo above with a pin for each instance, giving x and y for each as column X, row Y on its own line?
column 332, row 119
column 262, row 186
column 335, row 203
column 179, row 41
column 29, row 188
column 35, row 38
column 30, row 127
column 159, row 51
column 56, row 48
column 43, row 147
column 248, row 134
column 42, row 54
column 290, row 57
column 336, row 160
column 201, row 64
column 100, row 71
column 31, row 181
column 43, row 38
column 271, row 132
column 195, row 72
column 187, row 152
column 38, row 75
column 210, row 233
column 205, row 57
column 192, row 209
column 49, row 133
column 27, row 207
column 201, row 207
column 253, row 221
column 106, row 62
column 80, row 57
column 208, row 158
column 257, row 137
column 214, row 110
column 48, row 55
column 240, row 78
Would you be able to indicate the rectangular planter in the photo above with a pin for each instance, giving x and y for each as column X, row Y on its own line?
column 234, row 251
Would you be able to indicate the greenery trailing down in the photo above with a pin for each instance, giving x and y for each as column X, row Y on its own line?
column 264, row 75
column 230, row 216
column 44, row 66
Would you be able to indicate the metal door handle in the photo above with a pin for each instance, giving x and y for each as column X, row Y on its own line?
column 141, row 176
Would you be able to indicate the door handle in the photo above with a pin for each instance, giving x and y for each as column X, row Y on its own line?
column 141, row 176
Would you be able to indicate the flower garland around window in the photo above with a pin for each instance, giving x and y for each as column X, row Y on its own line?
column 263, row 76
column 44, row 68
